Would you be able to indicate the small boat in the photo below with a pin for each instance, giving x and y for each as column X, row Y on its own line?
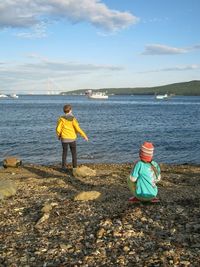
column 96, row 95
column 13, row 96
column 162, row 97
column 3, row 96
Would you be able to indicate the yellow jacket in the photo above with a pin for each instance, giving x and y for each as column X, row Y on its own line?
column 68, row 127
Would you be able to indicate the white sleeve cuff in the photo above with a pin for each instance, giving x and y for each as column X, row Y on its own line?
column 133, row 179
column 158, row 178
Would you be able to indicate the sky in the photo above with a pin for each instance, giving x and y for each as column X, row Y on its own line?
column 63, row 45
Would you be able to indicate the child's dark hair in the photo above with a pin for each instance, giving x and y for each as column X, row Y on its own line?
column 67, row 108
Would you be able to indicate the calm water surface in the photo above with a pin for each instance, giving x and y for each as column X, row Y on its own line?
column 116, row 128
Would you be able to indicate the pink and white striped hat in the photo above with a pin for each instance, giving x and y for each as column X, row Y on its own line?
column 146, row 152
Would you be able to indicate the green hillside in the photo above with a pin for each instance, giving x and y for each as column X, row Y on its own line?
column 184, row 88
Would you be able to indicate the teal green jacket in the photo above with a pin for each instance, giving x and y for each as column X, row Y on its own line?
column 145, row 175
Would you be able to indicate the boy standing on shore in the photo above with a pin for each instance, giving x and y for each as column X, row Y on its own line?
column 66, row 130
column 144, row 176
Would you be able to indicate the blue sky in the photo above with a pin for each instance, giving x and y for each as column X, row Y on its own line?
column 64, row 45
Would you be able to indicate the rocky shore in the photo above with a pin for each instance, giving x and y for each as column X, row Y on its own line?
column 44, row 224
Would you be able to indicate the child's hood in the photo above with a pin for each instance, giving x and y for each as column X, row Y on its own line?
column 68, row 117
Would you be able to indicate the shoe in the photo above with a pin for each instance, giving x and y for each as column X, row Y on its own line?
column 155, row 200
column 64, row 169
column 134, row 199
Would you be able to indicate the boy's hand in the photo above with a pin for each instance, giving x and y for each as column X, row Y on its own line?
column 86, row 138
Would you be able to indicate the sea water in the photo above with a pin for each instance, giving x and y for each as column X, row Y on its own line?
column 116, row 128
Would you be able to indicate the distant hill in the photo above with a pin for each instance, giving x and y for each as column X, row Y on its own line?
column 184, row 88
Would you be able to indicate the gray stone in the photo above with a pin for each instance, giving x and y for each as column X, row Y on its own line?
column 7, row 188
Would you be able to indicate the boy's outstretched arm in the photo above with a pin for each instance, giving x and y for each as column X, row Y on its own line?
column 79, row 130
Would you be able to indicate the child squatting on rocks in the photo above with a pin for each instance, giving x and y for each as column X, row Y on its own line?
column 66, row 130
column 144, row 176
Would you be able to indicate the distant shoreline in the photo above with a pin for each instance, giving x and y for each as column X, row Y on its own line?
column 191, row 88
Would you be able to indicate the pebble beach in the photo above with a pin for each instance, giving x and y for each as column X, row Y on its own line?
column 43, row 223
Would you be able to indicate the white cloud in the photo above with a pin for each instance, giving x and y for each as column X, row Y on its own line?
column 63, row 67
column 29, row 74
column 29, row 13
column 35, row 32
column 158, row 49
column 176, row 68
column 194, row 47
column 183, row 68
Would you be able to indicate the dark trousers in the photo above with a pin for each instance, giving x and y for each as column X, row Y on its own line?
column 72, row 146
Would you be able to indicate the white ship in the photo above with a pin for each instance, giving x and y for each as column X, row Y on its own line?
column 96, row 95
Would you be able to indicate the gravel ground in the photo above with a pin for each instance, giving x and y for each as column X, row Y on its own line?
column 42, row 224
